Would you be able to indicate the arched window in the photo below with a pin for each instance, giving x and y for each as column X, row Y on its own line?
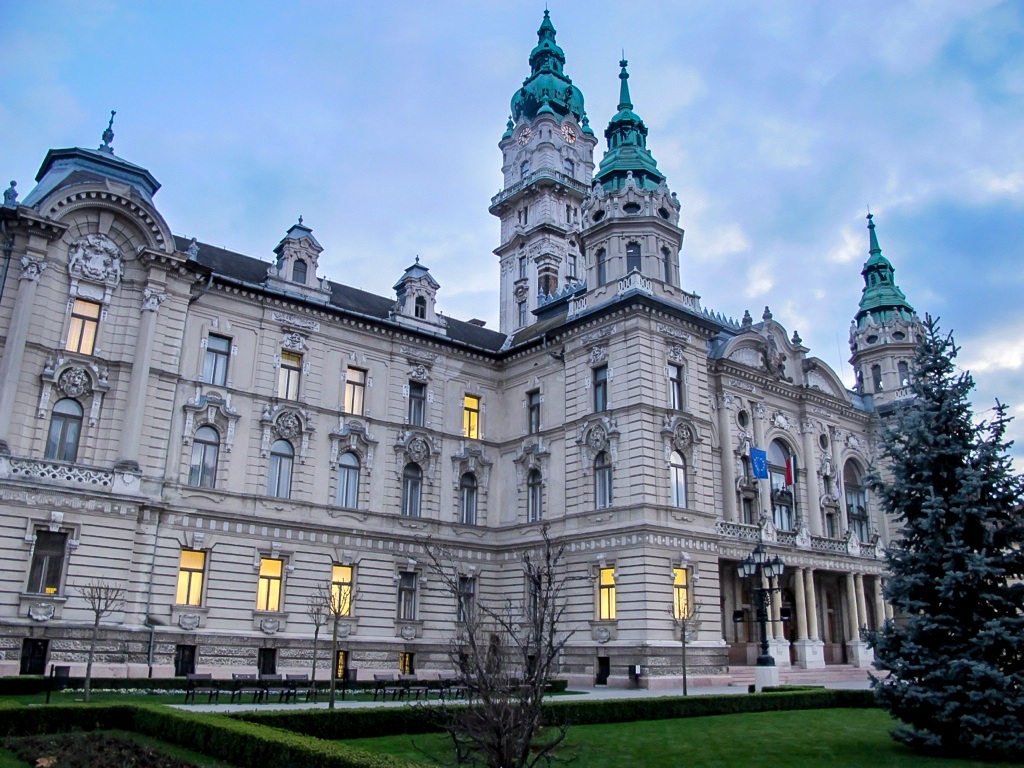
column 300, row 271
column 876, row 377
column 467, row 499
column 534, row 496
column 412, row 489
column 65, row 430
column 677, row 467
column 568, row 166
column 782, row 474
column 856, row 500
column 904, row 373
column 202, row 470
column 279, row 481
column 666, row 257
column 420, row 309
column 603, row 480
column 348, row 480
column 632, row 257
column 602, row 266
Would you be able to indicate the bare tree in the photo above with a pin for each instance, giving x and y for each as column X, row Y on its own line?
column 335, row 601
column 103, row 599
column 686, row 617
column 505, row 652
column 318, row 611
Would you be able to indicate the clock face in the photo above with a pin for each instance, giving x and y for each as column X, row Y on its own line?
column 524, row 136
column 569, row 134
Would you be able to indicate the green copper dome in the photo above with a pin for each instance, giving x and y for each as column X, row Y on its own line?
column 881, row 297
column 627, row 146
column 547, row 88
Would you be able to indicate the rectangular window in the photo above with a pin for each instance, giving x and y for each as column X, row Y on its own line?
column 533, row 411
column 190, row 577
column 471, row 417
column 85, row 322
column 680, row 593
column 600, row 388
column 522, row 267
column 606, row 596
column 676, row 379
column 47, row 563
column 407, row 596
column 341, row 590
column 215, row 364
column 417, row 403
column 355, row 391
column 406, row 663
column 571, row 266
column 288, row 376
column 467, row 598
column 268, row 592
column 523, row 313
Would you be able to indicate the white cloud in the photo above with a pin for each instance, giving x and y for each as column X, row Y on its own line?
column 1002, row 352
column 1010, row 184
column 852, row 247
column 722, row 241
column 759, row 280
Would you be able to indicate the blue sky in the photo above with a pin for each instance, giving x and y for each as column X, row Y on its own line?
column 776, row 123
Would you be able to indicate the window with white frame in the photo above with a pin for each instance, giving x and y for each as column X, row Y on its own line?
column 342, row 590
column 279, row 479
column 269, row 586
column 676, row 381
column 417, row 403
column 603, row 480
column 467, row 499
column 602, row 266
column 534, row 496
column 85, row 324
column 215, row 362
column 606, row 600
column 677, row 472
column 289, row 376
column 348, row 480
column 407, row 595
column 47, row 567
column 202, row 470
column 533, row 412
column 680, row 593
column 856, row 500
column 65, row 430
column 191, row 571
column 412, row 489
column 467, row 599
column 600, row 374
column 355, row 391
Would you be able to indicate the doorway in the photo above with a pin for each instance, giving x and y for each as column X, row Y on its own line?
column 604, row 670
column 184, row 660
column 33, row 656
column 266, row 662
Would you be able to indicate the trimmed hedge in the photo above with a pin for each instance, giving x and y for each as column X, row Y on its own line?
column 246, row 745
column 359, row 723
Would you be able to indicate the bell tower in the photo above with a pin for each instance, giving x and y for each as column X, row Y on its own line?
column 547, row 154
column 884, row 333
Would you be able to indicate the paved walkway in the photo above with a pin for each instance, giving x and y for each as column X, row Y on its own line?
column 580, row 693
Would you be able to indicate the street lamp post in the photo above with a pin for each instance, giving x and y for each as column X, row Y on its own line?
column 757, row 569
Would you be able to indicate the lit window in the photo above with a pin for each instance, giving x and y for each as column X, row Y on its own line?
column 85, row 322
column 279, row 481
column 215, row 364
column 677, row 466
column 467, row 598
column 412, row 489
column 420, row 308
column 602, row 267
column 471, row 417
column 406, row 663
column 467, row 499
column 348, row 480
column 856, row 500
column 606, row 594
column 534, row 496
column 676, row 379
column 190, row 577
column 47, row 567
column 300, row 272
column 533, row 412
column 341, row 590
column 202, row 471
column 65, row 430
column 600, row 388
column 288, row 376
column 632, row 257
column 417, row 403
column 603, row 480
column 341, row 665
column 355, row 391
column 680, row 593
column 268, row 590
column 782, row 476
column 407, row 595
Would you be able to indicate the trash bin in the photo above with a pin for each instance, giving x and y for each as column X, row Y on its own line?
column 635, row 673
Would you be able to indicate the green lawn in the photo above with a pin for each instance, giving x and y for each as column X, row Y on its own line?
column 837, row 738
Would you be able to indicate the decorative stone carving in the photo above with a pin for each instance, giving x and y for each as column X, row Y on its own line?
column 31, row 268
column 74, row 382
column 597, row 439
column 344, row 629
column 193, row 249
column 520, row 292
column 152, row 299
column 95, row 257
column 296, row 342
column 602, row 635
column 419, row 373
column 781, row 421
column 56, row 520
column 41, row 611
column 288, row 425
column 598, row 355
column 682, row 437
column 676, row 353
column 418, row 449
column 188, row 621
column 408, row 632
column 294, row 321
column 270, row 626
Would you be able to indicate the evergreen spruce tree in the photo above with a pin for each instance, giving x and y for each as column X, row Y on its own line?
column 955, row 650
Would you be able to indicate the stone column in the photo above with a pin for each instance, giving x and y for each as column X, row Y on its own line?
column 837, row 458
column 812, row 606
column 810, row 651
column 801, row 605
column 32, row 266
column 880, row 605
column 860, row 655
column 135, row 406
column 729, row 511
column 779, row 642
column 812, row 508
column 862, row 608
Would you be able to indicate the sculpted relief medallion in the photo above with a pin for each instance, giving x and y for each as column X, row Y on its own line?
column 288, row 425
column 97, row 258
column 74, row 382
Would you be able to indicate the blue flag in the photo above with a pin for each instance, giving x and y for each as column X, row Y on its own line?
column 759, row 463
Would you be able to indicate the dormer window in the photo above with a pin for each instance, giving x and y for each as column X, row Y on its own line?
column 300, row 271
column 420, row 308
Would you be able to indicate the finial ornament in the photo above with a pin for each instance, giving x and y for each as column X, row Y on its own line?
column 300, row 219
column 417, row 258
column 108, row 135
column 11, row 196
column 767, row 314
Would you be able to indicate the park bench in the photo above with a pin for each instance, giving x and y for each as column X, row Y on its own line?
column 450, row 686
column 201, row 683
column 274, row 684
column 297, row 684
column 385, row 684
column 242, row 684
column 408, row 685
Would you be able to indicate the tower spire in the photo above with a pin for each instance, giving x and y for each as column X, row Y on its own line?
column 547, row 85
column 624, row 100
column 627, row 154
column 881, row 297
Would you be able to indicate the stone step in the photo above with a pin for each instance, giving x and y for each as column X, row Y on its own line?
column 838, row 673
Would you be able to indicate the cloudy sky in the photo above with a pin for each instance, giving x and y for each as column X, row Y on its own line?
column 776, row 123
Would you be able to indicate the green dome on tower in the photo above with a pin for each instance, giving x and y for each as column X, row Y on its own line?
column 881, row 298
column 547, row 88
column 627, row 146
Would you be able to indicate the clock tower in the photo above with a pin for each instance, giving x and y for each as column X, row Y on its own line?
column 547, row 155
